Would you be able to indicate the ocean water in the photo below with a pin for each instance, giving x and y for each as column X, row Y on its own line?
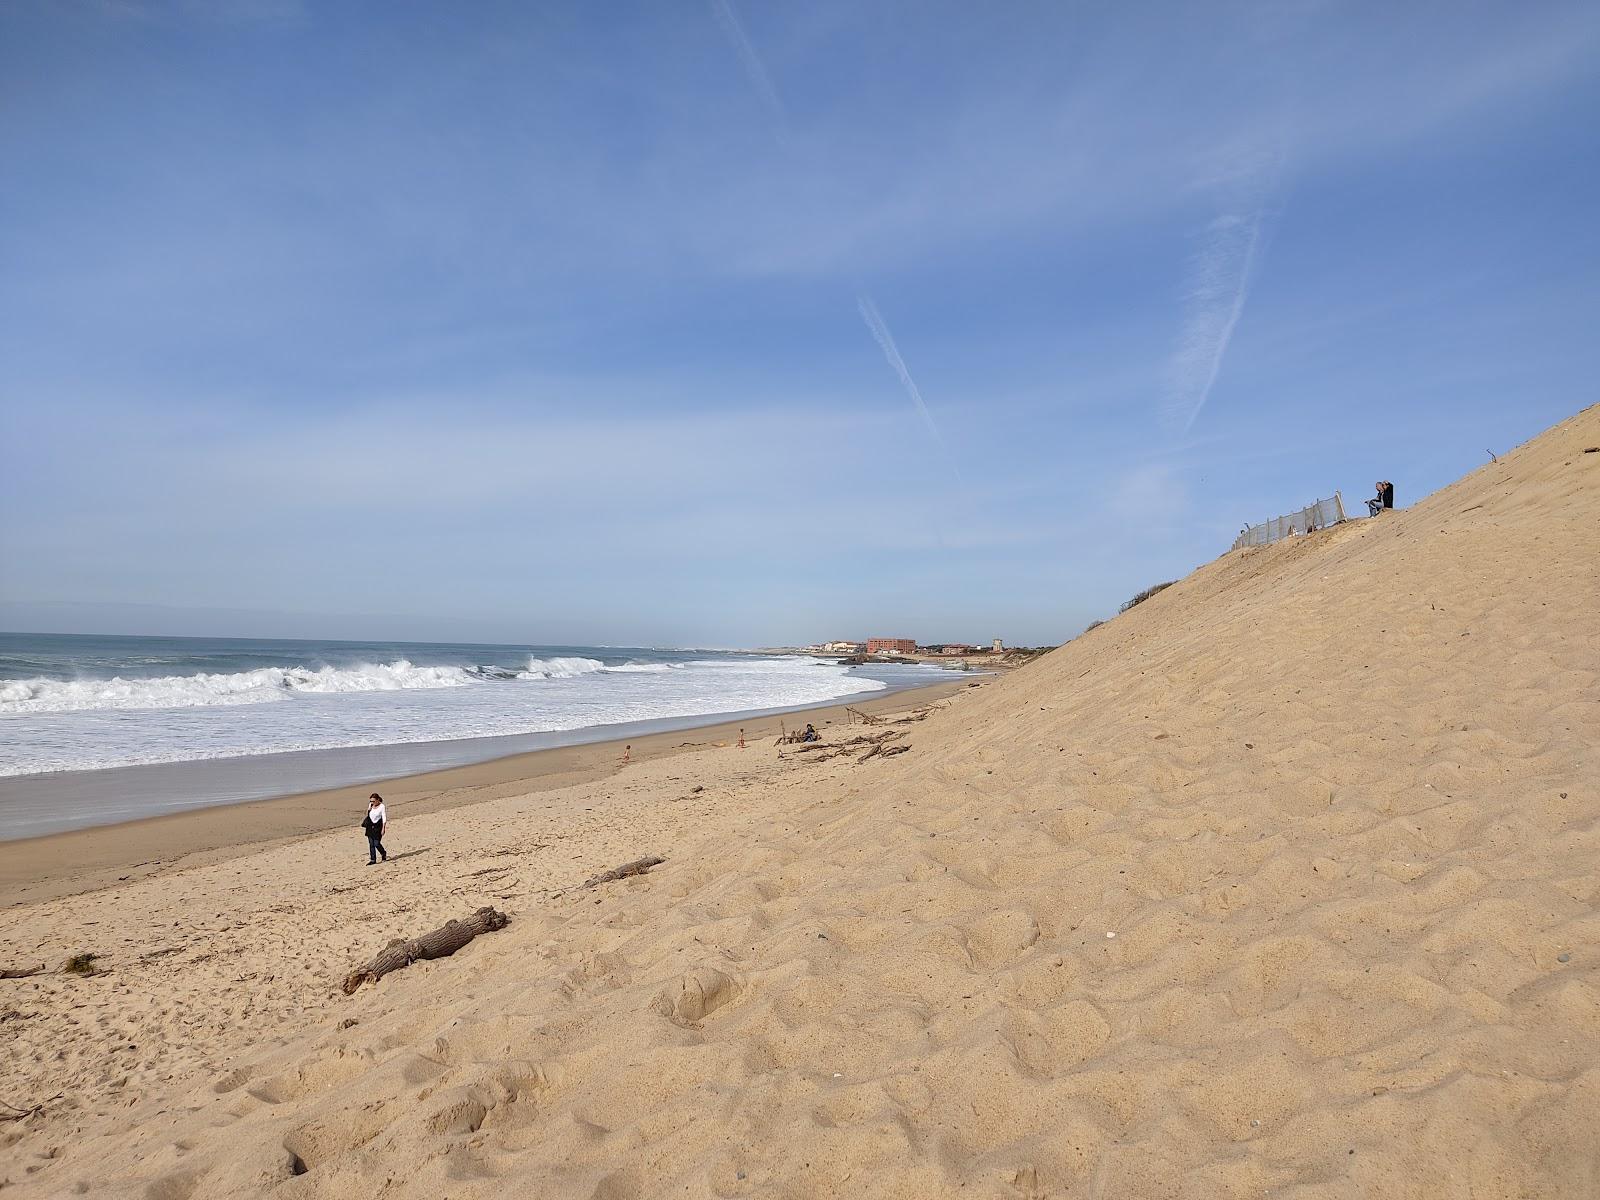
column 85, row 703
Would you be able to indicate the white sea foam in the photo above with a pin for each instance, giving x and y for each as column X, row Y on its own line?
column 264, row 685
column 560, row 668
column 52, row 725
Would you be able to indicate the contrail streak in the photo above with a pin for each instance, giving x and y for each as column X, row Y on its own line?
column 891, row 352
column 1218, row 300
column 1218, row 288
column 755, row 70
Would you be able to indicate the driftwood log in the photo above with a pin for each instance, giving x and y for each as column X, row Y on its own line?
column 865, row 718
column 20, row 972
column 881, row 745
column 637, row 867
column 861, row 748
column 441, row 943
column 910, row 718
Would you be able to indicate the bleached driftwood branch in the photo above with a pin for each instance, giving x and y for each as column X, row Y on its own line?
column 637, row 867
column 441, row 943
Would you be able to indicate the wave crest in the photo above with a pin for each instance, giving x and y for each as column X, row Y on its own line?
column 268, row 685
column 261, row 686
column 560, row 668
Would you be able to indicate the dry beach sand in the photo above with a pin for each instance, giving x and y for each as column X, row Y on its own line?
column 1337, row 799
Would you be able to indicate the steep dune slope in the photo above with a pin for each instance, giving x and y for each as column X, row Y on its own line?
column 1337, row 800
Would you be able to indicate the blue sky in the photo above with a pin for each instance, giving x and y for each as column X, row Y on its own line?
column 736, row 323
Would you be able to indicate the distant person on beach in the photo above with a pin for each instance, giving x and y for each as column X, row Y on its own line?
column 375, row 822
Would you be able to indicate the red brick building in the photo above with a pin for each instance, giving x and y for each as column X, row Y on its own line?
column 891, row 646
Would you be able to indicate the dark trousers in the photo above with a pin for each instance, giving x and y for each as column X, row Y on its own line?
column 375, row 847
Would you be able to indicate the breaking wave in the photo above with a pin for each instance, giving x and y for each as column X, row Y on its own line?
column 264, row 685
column 560, row 668
column 119, row 707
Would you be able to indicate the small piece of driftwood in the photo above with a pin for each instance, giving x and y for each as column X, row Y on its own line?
column 441, row 943
column 20, row 972
column 637, row 867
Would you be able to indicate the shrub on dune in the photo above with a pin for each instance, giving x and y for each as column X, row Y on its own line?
column 1146, row 594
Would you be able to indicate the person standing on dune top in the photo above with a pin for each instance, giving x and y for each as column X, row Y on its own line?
column 375, row 822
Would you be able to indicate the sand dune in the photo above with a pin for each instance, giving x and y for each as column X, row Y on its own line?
column 1283, row 883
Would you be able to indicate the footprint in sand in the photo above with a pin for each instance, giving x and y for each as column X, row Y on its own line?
column 696, row 994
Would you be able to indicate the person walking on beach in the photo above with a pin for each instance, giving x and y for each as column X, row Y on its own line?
column 376, row 821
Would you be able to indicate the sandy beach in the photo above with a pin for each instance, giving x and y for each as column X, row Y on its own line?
column 1282, row 883
column 80, row 860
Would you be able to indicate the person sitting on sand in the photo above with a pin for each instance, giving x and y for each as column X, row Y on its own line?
column 811, row 734
column 1384, row 499
column 375, row 822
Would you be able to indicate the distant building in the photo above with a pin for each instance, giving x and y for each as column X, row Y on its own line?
column 842, row 648
column 999, row 646
column 891, row 646
column 950, row 649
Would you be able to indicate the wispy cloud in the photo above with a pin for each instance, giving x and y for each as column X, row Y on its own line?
column 361, row 337
column 1219, row 280
column 220, row 12
column 1148, row 497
